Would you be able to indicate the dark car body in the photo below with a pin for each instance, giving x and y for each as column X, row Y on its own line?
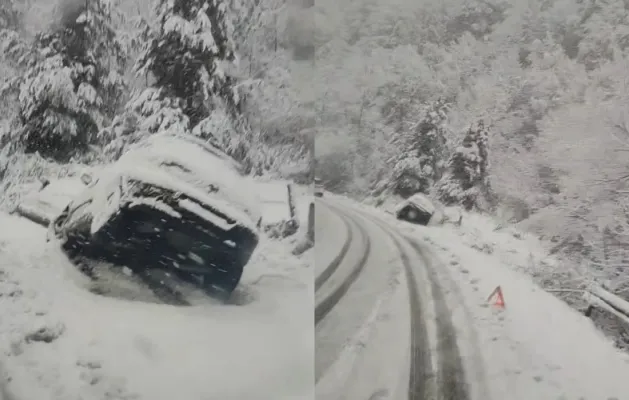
column 170, row 203
column 417, row 209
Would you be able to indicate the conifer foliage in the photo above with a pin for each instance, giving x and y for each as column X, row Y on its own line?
column 73, row 87
column 418, row 159
column 188, row 53
column 466, row 181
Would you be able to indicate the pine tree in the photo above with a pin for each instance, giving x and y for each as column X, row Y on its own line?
column 74, row 87
column 466, row 181
column 188, row 54
column 418, row 154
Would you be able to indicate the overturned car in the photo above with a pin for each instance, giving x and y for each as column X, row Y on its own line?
column 417, row 209
column 171, row 203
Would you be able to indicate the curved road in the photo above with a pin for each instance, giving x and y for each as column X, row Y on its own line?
column 383, row 328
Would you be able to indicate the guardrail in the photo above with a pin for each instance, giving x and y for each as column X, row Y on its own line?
column 599, row 297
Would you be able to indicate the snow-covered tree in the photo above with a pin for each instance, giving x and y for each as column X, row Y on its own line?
column 466, row 181
column 150, row 111
column 418, row 158
column 189, row 53
column 74, row 87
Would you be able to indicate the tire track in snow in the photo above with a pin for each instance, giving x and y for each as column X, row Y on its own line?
column 420, row 385
column 473, row 360
column 327, row 304
column 451, row 377
column 451, row 383
column 347, row 361
column 329, row 270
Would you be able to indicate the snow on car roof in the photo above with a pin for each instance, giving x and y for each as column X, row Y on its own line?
column 146, row 172
column 420, row 201
column 196, row 163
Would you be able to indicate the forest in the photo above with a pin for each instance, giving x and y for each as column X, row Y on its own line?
column 517, row 109
column 81, row 80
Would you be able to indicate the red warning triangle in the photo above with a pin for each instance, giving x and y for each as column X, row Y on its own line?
column 500, row 300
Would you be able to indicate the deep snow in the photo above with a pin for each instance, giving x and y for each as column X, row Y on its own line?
column 59, row 341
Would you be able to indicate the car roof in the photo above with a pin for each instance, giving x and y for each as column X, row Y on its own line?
column 194, row 162
column 421, row 201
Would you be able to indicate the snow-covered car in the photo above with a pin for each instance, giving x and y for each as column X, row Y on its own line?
column 277, row 209
column 417, row 209
column 171, row 203
column 318, row 187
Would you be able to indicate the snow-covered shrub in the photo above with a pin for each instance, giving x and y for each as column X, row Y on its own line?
column 466, row 181
column 150, row 111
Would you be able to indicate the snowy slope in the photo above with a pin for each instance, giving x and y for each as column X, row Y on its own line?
column 274, row 205
column 61, row 342
column 537, row 347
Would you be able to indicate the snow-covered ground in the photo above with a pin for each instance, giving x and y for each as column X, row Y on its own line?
column 537, row 347
column 59, row 341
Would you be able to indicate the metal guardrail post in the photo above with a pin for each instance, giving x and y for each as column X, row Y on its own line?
column 311, row 223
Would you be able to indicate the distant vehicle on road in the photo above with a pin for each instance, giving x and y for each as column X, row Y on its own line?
column 417, row 209
column 171, row 203
column 318, row 191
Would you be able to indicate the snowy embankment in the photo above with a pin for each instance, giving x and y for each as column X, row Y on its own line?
column 537, row 347
column 59, row 341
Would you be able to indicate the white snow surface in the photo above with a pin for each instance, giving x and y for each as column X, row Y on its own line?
column 273, row 201
column 93, row 347
column 49, row 201
column 537, row 347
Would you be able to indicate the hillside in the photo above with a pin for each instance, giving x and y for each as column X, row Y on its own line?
column 400, row 84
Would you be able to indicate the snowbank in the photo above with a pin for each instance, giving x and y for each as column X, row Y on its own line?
column 538, row 347
column 61, row 342
column 23, row 173
column 51, row 200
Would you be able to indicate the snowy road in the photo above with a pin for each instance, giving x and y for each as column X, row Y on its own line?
column 372, row 336
column 436, row 337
